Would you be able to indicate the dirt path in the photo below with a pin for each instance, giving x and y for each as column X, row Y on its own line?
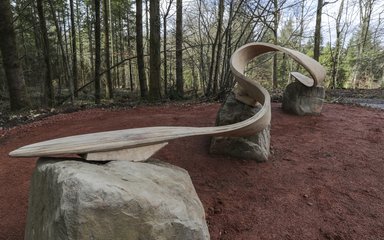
column 372, row 103
column 325, row 179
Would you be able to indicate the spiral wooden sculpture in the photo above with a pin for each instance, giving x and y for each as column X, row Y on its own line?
column 141, row 143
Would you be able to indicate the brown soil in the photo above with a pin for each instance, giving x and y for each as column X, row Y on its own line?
column 325, row 179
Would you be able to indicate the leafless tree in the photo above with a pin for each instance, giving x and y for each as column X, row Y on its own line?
column 154, row 50
column 11, row 62
column 48, row 87
column 97, row 52
column 179, row 48
column 140, row 49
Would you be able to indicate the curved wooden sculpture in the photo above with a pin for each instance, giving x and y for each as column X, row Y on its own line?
column 140, row 143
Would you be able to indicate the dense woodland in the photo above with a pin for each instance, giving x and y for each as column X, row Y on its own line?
column 71, row 51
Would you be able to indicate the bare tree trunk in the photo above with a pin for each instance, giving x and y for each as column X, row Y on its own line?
column 112, row 44
column 202, row 68
column 147, row 24
column 154, row 50
column 140, row 49
column 219, row 49
column 97, row 52
column 316, row 49
column 275, row 29
column 74, row 51
column 227, row 53
column 48, row 88
column 212, row 80
column 61, row 44
column 179, row 48
column 165, row 58
column 366, row 8
column 69, row 83
column 337, row 51
column 79, row 27
column 301, row 31
column 146, row 43
column 11, row 62
column 89, row 22
column 284, row 71
column 107, row 49
column 115, row 57
column 122, row 48
column 35, row 30
column 129, row 53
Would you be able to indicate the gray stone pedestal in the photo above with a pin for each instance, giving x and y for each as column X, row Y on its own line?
column 253, row 147
column 114, row 200
column 301, row 100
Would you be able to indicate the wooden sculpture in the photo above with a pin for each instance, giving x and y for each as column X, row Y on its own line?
column 141, row 143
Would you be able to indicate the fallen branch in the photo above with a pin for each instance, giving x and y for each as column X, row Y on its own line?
column 118, row 64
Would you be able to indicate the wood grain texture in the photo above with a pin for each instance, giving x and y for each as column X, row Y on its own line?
column 249, row 91
column 303, row 79
column 136, row 154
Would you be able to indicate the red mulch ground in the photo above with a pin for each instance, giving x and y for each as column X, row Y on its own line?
column 325, row 179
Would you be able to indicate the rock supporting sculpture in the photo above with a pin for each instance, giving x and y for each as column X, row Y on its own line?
column 302, row 100
column 254, row 147
column 115, row 200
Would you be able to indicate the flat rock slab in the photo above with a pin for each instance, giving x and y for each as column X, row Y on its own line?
column 254, row 147
column 114, row 200
column 301, row 100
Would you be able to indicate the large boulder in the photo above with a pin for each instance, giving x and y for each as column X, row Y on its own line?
column 254, row 147
column 113, row 200
column 302, row 100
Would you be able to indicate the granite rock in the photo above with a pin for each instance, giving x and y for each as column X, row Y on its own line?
column 113, row 200
column 256, row 147
column 301, row 100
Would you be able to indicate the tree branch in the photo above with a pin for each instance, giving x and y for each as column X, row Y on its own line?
column 121, row 62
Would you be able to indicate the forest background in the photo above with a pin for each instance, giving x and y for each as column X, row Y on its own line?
column 81, row 51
